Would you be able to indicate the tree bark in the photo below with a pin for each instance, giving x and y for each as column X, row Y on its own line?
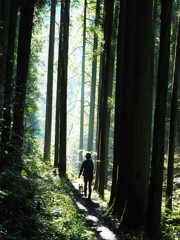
column 155, row 190
column 48, row 122
column 4, row 24
column 24, row 41
column 109, row 7
column 125, row 124
column 173, row 127
column 93, row 83
column 136, row 206
column 81, row 145
column 8, row 89
column 98, row 135
column 65, row 6
column 111, row 70
column 119, row 67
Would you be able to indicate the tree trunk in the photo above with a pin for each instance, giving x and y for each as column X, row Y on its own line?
column 24, row 41
column 82, row 88
column 173, row 121
column 136, row 206
column 57, row 117
column 4, row 24
column 119, row 67
column 93, row 83
column 125, row 124
column 111, row 64
column 65, row 5
column 98, row 135
column 8, row 89
column 154, row 60
column 1, row 3
column 109, row 7
column 48, row 123
column 178, row 120
column 155, row 190
column 58, row 97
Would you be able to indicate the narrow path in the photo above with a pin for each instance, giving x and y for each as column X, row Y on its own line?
column 93, row 210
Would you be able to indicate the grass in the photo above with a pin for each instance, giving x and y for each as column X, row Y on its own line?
column 171, row 222
column 36, row 204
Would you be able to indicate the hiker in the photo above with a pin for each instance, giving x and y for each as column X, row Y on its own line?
column 87, row 168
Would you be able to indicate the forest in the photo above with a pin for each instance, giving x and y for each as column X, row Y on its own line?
column 89, row 76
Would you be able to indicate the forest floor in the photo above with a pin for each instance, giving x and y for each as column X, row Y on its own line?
column 93, row 212
column 37, row 204
column 107, row 228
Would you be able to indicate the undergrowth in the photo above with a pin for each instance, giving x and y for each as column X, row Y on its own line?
column 171, row 222
column 36, row 204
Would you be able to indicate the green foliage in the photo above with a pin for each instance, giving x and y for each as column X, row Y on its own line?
column 40, row 3
column 15, row 204
column 171, row 226
column 75, row 3
column 36, row 204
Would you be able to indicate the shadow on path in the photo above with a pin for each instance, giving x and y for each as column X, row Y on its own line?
column 104, row 228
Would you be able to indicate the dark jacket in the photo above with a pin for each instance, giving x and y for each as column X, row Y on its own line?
column 87, row 168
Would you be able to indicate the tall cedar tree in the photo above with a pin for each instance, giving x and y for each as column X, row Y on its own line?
column 9, row 74
column 110, row 117
column 103, row 151
column 24, row 41
column 65, row 7
column 119, row 67
column 156, row 180
column 58, row 109
column 93, row 82
column 57, row 115
column 130, row 202
column 173, row 126
column 82, row 86
column 4, row 23
column 136, row 205
column 125, row 124
column 48, row 122
column 96, row 184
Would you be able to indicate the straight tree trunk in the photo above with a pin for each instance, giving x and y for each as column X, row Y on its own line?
column 136, row 206
column 112, row 60
column 98, row 136
column 24, row 41
column 1, row 2
column 58, row 93
column 178, row 120
column 82, row 87
column 154, row 59
column 8, row 88
column 93, row 83
column 65, row 7
column 120, row 50
column 4, row 26
column 173, row 127
column 125, row 124
column 48, row 123
column 109, row 7
column 155, row 190
column 57, row 117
